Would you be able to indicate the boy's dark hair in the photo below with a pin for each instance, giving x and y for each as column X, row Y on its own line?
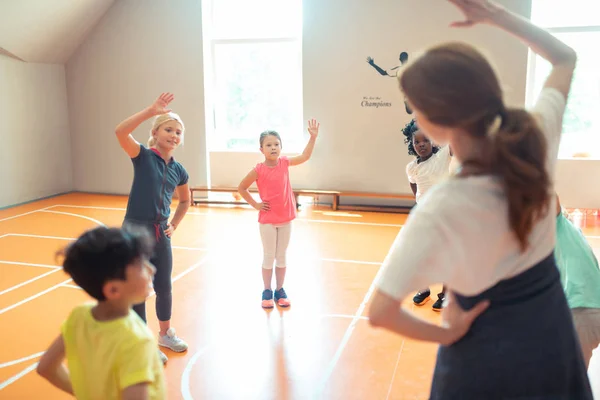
column 269, row 133
column 102, row 254
column 409, row 131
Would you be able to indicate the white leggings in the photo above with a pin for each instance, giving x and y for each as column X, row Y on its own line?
column 275, row 240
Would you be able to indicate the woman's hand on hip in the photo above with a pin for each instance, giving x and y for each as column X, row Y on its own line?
column 458, row 321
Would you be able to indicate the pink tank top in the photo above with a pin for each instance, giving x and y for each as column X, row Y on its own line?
column 275, row 188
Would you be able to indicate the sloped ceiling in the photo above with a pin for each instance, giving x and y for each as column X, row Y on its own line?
column 47, row 31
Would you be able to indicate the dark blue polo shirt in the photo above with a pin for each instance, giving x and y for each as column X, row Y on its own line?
column 154, row 182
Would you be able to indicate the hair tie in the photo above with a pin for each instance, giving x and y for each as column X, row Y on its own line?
column 494, row 127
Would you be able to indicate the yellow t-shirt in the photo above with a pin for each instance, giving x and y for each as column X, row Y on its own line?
column 105, row 357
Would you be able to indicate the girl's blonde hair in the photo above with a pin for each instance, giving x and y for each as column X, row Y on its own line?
column 161, row 119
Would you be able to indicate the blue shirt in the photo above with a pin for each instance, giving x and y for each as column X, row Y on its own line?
column 154, row 182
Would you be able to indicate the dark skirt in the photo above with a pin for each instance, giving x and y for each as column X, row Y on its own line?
column 524, row 346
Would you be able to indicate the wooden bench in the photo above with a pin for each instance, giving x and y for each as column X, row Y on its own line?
column 297, row 193
column 353, row 207
column 335, row 194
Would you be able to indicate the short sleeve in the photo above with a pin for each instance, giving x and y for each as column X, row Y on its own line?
column 550, row 108
column 183, row 177
column 141, row 155
column 443, row 156
column 417, row 258
column 410, row 172
column 136, row 363
column 285, row 161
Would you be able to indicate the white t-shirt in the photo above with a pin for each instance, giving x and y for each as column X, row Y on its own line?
column 459, row 234
column 430, row 172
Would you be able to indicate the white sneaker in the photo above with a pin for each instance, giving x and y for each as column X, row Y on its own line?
column 163, row 357
column 171, row 341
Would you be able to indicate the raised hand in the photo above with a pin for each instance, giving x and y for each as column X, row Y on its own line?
column 160, row 104
column 475, row 11
column 313, row 127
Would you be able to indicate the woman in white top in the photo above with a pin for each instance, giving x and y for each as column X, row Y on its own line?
column 489, row 232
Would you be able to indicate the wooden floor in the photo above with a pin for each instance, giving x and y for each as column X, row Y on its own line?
column 322, row 347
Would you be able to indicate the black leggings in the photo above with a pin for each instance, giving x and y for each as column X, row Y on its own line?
column 163, row 261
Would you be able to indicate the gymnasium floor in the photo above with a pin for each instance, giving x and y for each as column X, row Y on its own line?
column 322, row 347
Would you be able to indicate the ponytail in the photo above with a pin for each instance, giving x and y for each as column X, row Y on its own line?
column 519, row 159
column 151, row 140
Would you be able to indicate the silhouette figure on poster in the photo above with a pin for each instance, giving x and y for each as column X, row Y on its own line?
column 392, row 72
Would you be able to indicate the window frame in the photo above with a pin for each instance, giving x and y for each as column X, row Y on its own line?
column 214, row 143
column 530, row 90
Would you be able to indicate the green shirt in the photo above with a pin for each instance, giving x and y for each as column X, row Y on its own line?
column 578, row 266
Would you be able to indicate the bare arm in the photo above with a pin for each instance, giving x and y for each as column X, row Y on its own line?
column 183, row 194
column 313, row 129
column 51, row 368
column 562, row 57
column 387, row 312
column 413, row 186
column 136, row 392
column 124, row 129
column 243, row 190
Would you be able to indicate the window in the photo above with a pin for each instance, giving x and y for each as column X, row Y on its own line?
column 254, row 72
column 577, row 23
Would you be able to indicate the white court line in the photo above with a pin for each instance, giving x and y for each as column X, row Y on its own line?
column 20, row 360
column 347, row 334
column 343, row 316
column 67, row 285
column 350, row 261
column 113, row 208
column 324, row 221
column 10, row 289
column 74, row 215
column 35, row 296
column 395, row 370
column 23, row 214
column 72, row 239
column 185, row 376
column 18, row 376
column 30, row 264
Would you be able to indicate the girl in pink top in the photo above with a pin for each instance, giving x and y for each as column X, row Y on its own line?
column 277, row 208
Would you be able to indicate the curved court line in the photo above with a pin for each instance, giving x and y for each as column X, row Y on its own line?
column 10, row 289
column 18, row 376
column 74, row 215
column 347, row 334
column 185, row 376
column 20, row 360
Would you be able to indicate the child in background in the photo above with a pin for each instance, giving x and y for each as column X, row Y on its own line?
column 431, row 165
column 580, row 278
column 111, row 353
column 277, row 208
column 157, row 176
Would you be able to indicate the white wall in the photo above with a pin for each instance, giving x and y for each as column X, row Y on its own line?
column 35, row 149
column 138, row 50
column 361, row 148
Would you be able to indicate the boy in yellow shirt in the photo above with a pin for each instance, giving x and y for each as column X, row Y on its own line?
column 110, row 352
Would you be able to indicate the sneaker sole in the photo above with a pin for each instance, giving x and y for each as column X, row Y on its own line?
column 172, row 349
column 423, row 302
column 436, row 309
